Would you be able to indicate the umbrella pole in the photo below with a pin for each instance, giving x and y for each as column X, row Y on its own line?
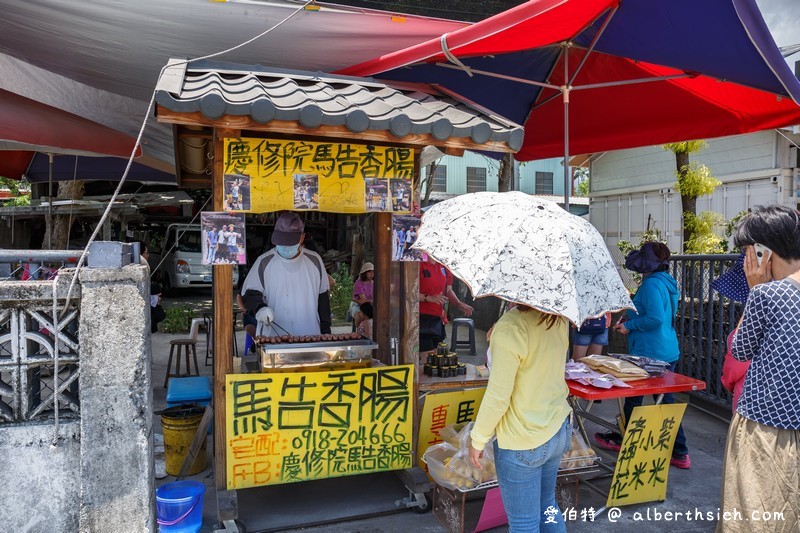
column 50, row 203
column 565, row 89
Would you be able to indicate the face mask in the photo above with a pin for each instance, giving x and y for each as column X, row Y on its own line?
column 287, row 252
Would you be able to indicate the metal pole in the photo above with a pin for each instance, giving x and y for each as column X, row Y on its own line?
column 50, row 203
column 565, row 93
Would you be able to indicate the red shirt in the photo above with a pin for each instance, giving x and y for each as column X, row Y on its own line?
column 434, row 279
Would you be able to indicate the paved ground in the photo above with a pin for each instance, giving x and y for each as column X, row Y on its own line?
column 695, row 491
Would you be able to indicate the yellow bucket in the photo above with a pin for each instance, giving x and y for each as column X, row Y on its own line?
column 179, row 425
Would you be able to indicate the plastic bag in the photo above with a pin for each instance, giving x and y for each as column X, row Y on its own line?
column 449, row 464
column 579, row 454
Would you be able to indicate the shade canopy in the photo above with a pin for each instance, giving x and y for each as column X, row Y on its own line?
column 639, row 72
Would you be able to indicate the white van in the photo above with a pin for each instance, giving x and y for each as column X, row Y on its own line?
column 183, row 266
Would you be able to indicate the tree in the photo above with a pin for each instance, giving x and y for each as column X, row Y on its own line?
column 693, row 180
column 505, row 173
column 582, row 176
column 67, row 190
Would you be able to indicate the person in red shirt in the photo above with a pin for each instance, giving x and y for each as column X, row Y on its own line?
column 435, row 289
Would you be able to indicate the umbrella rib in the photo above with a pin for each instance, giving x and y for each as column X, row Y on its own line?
column 501, row 76
column 596, row 38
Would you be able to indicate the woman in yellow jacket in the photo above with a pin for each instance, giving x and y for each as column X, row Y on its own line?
column 526, row 406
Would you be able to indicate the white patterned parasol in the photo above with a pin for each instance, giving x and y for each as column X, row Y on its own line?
column 525, row 250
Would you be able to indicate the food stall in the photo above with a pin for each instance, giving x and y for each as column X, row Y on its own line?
column 317, row 407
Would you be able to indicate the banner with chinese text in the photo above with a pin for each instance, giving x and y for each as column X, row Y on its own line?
column 265, row 175
column 288, row 427
column 643, row 463
column 442, row 409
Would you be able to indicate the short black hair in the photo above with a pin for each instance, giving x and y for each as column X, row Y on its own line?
column 775, row 226
column 366, row 308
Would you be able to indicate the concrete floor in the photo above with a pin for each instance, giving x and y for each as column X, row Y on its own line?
column 694, row 490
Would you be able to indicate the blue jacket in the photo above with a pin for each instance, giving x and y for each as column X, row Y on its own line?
column 652, row 333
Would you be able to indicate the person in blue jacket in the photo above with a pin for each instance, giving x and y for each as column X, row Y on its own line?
column 651, row 332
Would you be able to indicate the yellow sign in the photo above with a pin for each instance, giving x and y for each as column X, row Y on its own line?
column 443, row 409
column 643, row 462
column 264, row 175
column 288, row 427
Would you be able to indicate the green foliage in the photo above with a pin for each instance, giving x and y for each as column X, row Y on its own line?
column 695, row 180
column 342, row 293
column 582, row 189
column 651, row 235
column 685, row 147
column 20, row 192
column 730, row 227
column 707, row 230
column 178, row 319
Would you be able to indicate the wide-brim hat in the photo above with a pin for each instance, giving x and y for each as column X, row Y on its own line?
column 366, row 267
column 288, row 230
column 733, row 283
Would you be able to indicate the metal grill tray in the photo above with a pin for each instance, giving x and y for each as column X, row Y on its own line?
column 316, row 353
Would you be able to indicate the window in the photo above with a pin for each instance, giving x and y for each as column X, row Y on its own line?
column 440, row 179
column 476, row 179
column 544, row 183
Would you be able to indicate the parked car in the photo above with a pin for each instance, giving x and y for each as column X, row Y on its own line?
column 182, row 264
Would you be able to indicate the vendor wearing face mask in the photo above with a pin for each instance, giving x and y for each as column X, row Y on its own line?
column 288, row 286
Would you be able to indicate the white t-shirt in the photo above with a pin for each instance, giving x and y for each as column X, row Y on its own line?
column 291, row 287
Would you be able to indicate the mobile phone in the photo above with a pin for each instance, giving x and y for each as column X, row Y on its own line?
column 761, row 252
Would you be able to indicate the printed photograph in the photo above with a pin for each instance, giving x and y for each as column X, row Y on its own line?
column 306, row 191
column 401, row 195
column 376, row 193
column 223, row 238
column 237, row 192
column 404, row 234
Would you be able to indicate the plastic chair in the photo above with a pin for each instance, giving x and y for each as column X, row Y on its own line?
column 455, row 344
column 184, row 346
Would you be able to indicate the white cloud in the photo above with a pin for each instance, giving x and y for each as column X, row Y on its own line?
column 783, row 20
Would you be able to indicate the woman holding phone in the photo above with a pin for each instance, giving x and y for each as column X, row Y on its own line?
column 762, row 471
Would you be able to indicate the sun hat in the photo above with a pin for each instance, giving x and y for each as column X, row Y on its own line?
column 366, row 268
column 288, row 230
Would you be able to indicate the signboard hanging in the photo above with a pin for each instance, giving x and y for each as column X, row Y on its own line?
column 265, row 175
column 643, row 463
column 288, row 427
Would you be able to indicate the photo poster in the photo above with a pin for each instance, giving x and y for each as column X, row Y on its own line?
column 287, row 427
column 404, row 234
column 223, row 236
column 237, row 192
column 640, row 474
column 297, row 175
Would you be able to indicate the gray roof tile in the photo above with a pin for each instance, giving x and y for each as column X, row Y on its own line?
column 315, row 99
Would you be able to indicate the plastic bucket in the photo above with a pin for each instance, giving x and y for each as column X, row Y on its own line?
column 179, row 424
column 179, row 506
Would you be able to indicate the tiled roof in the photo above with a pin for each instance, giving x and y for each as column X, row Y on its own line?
column 318, row 99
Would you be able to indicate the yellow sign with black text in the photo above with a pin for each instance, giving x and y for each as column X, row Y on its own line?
column 442, row 409
column 643, row 462
column 266, row 175
column 289, row 427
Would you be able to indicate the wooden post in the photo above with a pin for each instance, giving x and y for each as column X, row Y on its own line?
column 222, row 302
column 382, row 307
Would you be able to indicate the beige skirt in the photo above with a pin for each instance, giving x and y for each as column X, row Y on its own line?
column 761, row 479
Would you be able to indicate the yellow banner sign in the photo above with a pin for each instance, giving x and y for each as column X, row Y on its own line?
column 443, row 409
column 288, row 427
column 643, row 462
column 264, row 175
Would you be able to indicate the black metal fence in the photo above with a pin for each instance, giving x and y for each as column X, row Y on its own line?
column 705, row 318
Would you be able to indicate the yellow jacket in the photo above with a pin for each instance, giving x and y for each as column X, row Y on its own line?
column 526, row 399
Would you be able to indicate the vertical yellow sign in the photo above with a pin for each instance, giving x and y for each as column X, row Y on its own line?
column 265, row 175
column 643, row 462
column 288, row 427
column 443, row 409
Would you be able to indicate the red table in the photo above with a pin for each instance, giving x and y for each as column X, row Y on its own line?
column 667, row 383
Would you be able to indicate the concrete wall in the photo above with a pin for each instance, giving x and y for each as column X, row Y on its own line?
column 98, row 475
column 38, row 481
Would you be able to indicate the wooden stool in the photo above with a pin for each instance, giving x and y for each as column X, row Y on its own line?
column 183, row 346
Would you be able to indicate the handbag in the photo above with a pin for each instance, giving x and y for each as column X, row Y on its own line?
column 593, row 326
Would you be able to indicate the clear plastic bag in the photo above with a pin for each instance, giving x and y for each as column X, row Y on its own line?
column 450, row 466
column 579, row 454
